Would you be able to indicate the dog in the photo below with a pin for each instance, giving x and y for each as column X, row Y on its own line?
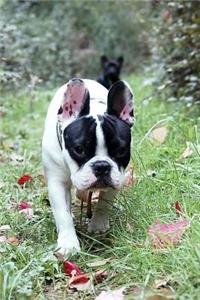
column 111, row 71
column 86, row 144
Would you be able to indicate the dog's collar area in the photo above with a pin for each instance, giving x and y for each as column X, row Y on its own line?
column 59, row 134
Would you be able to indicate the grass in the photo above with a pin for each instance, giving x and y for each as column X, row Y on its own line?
column 30, row 271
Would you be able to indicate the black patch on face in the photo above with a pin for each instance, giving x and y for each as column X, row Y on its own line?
column 80, row 139
column 117, row 138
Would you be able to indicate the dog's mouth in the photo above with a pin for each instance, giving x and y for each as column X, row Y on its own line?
column 101, row 184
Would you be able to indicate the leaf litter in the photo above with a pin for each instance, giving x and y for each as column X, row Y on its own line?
column 158, row 135
column 167, row 235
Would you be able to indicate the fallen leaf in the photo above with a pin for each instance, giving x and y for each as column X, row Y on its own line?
column 70, row 268
column 161, row 282
column 130, row 177
column 24, row 205
column 28, row 212
column 41, row 179
column 165, row 235
column 158, row 135
column 162, row 293
column 98, row 263
column 80, row 282
column 3, row 239
column 13, row 241
column 26, row 208
column 178, row 208
column 4, row 228
column 111, row 295
column 16, row 158
column 100, row 276
column 24, row 179
column 187, row 152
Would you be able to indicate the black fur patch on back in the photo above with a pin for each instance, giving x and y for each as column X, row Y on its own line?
column 117, row 138
column 80, row 139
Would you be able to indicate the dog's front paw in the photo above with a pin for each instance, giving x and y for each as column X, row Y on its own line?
column 99, row 224
column 67, row 244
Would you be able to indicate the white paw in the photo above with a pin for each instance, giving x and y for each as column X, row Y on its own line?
column 99, row 224
column 69, row 244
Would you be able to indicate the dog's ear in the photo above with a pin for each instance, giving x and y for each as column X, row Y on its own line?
column 76, row 100
column 120, row 60
column 104, row 59
column 120, row 102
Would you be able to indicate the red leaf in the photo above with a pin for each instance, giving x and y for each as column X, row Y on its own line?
column 80, row 282
column 24, row 205
column 71, row 269
column 77, row 279
column 165, row 235
column 178, row 208
column 25, row 178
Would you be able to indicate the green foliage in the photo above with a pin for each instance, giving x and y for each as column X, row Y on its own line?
column 55, row 40
column 178, row 44
column 30, row 271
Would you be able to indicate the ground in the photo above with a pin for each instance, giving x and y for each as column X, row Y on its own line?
column 29, row 270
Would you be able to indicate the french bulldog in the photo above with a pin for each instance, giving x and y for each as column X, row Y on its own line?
column 86, row 144
column 110, row 71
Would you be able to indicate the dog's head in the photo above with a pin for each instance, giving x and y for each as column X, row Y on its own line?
column 111, row 68
column 96, row 149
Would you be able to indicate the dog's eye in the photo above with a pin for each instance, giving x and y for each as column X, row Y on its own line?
column 79, row 150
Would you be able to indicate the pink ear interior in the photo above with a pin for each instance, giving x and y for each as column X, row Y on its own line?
column 126, row 113
column 74, row 99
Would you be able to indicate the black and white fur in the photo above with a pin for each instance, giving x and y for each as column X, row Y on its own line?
column 86, row 144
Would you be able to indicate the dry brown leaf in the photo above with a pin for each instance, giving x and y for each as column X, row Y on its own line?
column 187, row 152
column 161, row 282
column 161, row 293
column 41, row 179
column 130, row 177
column 158, row 135
column 98, row 263
column 13, row 241
column 100, row 276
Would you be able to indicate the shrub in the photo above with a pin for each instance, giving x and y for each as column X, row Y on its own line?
column 178, row 45
column 55, row 40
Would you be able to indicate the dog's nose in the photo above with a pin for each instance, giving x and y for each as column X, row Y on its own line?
column 101, row 168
